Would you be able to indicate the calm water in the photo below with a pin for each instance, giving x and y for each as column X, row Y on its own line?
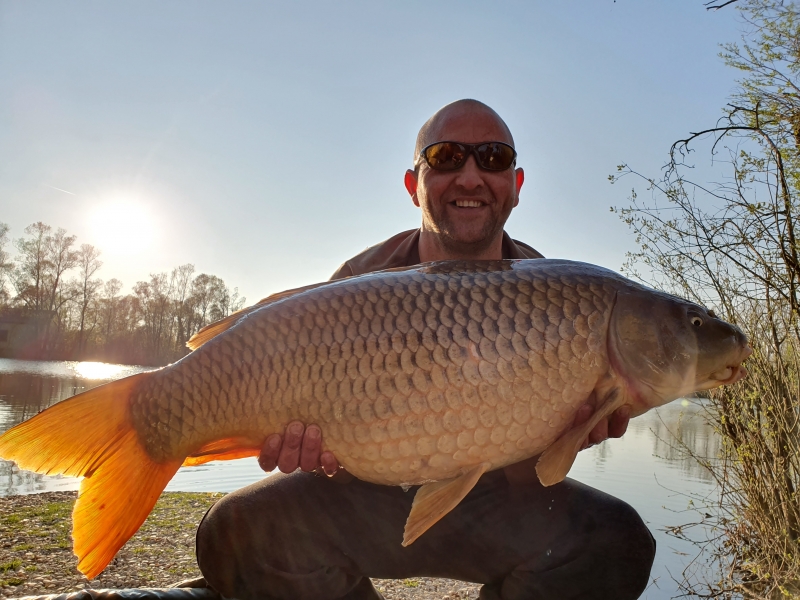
column 644, row 468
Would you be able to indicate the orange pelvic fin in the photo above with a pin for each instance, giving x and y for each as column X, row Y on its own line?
column 556, row 461
column 434, row 500
column 224, row 449
column 91, row 436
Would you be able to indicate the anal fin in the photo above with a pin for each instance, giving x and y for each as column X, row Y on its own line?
column 434, row 500
column 223, row 449
column 557, row 459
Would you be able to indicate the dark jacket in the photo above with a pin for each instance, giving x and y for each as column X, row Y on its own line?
column 402, row 250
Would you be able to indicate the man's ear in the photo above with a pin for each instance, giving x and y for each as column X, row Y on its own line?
column 411, row 185
column 519, row 174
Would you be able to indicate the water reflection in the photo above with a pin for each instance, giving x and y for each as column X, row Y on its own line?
column 651, row 469
column 670, row 435
column 28, row 387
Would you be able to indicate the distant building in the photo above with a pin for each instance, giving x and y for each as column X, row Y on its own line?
column 22, row 332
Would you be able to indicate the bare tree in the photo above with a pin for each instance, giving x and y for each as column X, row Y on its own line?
column 86, row 297
column 155, row 300
column 32, row 266
column 184, row 313
column 717, row 4
column 108, row 307
column 733, row 245
column 6, row 266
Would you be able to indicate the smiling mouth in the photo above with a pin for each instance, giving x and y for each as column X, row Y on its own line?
column 468, row 203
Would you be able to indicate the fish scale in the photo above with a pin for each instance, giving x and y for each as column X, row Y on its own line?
column 412, row 376
column 432, row 375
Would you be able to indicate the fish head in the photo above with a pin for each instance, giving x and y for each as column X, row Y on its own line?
column 665, row 347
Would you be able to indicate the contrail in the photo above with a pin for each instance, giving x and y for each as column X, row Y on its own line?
column 59, row 189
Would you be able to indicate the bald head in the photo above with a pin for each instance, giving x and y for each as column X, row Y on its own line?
column 463, row 208
column 466, row 110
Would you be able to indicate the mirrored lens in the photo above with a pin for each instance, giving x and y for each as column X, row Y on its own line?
column 494, row 156
column 449, row 156
column 445, row 156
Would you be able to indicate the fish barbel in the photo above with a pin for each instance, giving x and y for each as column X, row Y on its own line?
column 426, row 375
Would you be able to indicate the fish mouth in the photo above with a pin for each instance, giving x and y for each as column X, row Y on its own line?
column 729, row 375
column 732, row 373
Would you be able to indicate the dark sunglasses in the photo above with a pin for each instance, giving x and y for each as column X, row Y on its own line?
column 449, row 156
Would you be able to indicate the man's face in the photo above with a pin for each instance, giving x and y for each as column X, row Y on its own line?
column 466, row 208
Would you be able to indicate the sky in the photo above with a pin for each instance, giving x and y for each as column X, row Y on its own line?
column 266, row 142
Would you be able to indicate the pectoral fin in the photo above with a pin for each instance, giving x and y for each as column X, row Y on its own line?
column 557, row 459
column 434, row 500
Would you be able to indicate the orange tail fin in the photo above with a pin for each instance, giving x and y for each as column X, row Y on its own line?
column 91, row 436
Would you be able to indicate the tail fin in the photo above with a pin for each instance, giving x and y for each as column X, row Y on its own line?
column 91, row 436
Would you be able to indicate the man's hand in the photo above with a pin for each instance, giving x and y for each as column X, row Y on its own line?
column 613, row 426
column 301, row 447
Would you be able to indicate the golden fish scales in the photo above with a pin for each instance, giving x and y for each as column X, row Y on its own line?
column 412, row 376
column 427, row 375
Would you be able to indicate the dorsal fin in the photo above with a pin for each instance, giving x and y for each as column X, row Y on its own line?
column 217, row 327
column 214, row 329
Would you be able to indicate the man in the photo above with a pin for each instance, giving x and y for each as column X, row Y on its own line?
column 302, row 536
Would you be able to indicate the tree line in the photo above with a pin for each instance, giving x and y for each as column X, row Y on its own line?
column 49, row 280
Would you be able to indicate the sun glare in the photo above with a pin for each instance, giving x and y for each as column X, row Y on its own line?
column 98, row 370
column 122, row 227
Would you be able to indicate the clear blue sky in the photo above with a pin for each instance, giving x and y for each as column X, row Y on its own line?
column 266, row 142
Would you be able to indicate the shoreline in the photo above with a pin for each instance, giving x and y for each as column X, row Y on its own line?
column 36, row 550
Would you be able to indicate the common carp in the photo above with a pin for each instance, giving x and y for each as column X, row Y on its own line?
column 429, row 375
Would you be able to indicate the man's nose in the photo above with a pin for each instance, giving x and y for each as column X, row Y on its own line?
column 470, row 175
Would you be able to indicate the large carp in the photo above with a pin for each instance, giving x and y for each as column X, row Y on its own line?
column 427, row 375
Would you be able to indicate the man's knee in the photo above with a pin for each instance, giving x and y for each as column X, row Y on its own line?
column 624, row 549
column 634, row 547
column 252, row 548
column 610, row 555
column 216, row 544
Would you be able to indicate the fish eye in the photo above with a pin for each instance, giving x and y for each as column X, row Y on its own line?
column 696, row 321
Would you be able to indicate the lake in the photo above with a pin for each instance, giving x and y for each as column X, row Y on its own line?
column 645, row 467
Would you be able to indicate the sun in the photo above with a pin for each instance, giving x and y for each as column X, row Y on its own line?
column 122, row 227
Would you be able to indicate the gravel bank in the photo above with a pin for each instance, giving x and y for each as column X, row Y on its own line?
column 36, row 551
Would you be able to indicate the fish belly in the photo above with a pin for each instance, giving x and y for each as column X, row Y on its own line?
column 413, row 376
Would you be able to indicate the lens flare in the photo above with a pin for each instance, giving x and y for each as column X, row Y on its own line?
column 122, row 227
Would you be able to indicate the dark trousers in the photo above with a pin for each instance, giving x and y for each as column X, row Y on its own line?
column 303, row 537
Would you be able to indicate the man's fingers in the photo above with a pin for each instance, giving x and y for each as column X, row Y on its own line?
column 268, row 459
column 309, row 454
column 583, row 414
column 289, row 457
column 329, row 463
column 618, row 423
column 599, row 433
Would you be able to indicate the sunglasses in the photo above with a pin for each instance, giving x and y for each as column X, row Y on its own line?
column 449, row 156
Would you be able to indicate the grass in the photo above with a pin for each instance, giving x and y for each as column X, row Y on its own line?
column 8, row 573
column 36, row 545
column 11, row 565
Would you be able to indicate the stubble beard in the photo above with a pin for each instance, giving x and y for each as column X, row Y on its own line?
column 448, row 238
